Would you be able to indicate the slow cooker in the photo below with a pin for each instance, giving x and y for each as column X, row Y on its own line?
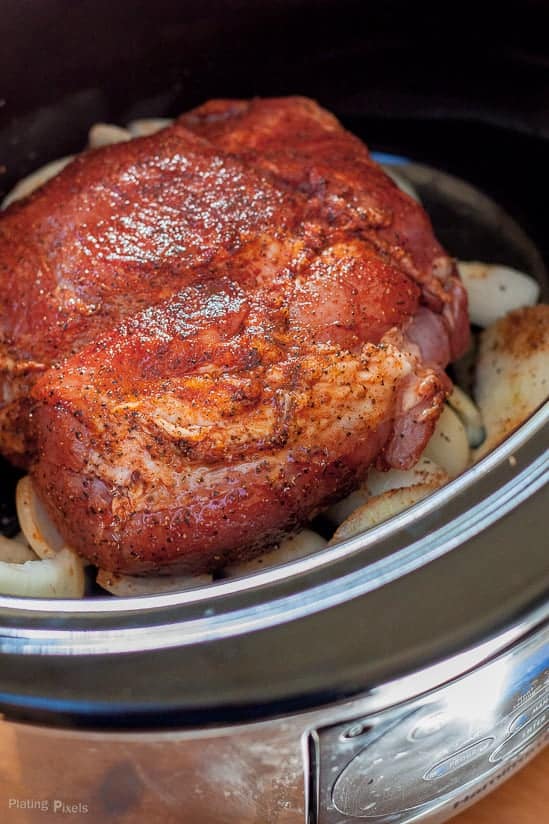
column 394, row 677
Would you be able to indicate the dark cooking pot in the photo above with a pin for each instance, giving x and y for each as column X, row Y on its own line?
column 253, row 689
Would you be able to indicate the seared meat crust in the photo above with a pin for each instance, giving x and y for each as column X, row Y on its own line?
column 209, row 425
column 207, row 338
column 306, row 150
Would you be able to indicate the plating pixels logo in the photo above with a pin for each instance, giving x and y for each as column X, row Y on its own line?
column 47, row 805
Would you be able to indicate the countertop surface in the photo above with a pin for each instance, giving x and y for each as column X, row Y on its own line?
column 523, row 799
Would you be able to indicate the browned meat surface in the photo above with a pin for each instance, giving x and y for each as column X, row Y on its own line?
column 209, row 335
column 305, row 148
column 121, row 229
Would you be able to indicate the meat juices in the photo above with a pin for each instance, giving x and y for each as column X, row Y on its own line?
column 209, row 334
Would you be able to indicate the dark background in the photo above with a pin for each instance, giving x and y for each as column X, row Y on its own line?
column 464, row 86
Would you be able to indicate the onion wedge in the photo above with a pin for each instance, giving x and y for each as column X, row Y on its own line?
column 425, row 471
column 104, row 134
column 28, row 184
column 494, row 290
column 376, row 483
column 35, row 523
column 13, row 551
column 449, row 445
column 148, row 125
column 380, row 508
column 59, row 577
column 128, row 586
column 512, row 377
column 469, row 414
column 296, row 546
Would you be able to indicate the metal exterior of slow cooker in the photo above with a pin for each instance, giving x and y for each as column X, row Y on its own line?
column 406, row 752
column 342, row 653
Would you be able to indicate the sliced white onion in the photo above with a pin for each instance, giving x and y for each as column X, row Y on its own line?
column 338, row 512
column 495, row 290
column 148, row 125
column 127, row 586
column 104, row 134
column 59, row 577
column 13, row 551
column 449, row 445
column 403, row 184
column 28, row 184
column 35, row 522
column 469, row 414
column 376, row 483
column 425, row 471
column 382, row 507
column 512, row 377
column 296, row 546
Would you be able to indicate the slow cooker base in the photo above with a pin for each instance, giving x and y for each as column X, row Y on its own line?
column 419, row 760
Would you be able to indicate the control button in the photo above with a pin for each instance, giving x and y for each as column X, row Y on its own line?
column 354, row 731
column 376, row 780
column 429, row 725
column 459, row 759
column 520, row 739
column 523, row 718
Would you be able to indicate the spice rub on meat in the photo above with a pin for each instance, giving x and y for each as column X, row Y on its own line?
column 210, row 333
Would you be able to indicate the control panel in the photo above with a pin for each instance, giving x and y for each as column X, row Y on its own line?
column 424, row 759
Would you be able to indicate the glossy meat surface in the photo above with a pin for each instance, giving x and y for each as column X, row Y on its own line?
column 305, row 149
column 211, row 424
column 120, row 229
column 216, row 331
